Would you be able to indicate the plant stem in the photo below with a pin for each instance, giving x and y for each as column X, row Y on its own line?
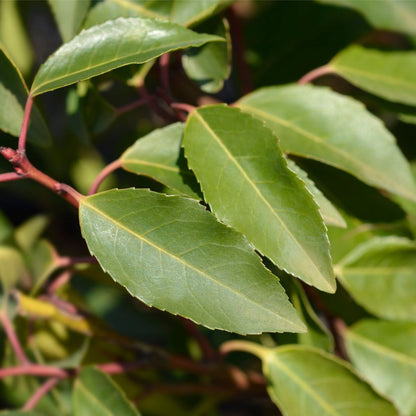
column 25, row 169
column 244, row 346
column 110, row 168
column 128, row 107
column 164, row 71
column 14, row 341
column 10, row 176
column 183, row 106
column 25, row 124
column 315, row 73
column 34, row 370
column 40, row 392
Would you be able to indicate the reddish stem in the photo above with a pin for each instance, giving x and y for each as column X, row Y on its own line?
column 315, row 73
column 34, row 370
column 164, row 71
column 25, row 124
column 25, row 169
column 132, row 106
column 73, row 261
column 40, row 392
column 110, row 168
column 10, row 176
column 119, row 368
column 14, row 341
column 154, row 106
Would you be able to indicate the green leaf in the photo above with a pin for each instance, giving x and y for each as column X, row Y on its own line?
column 246, row 181
column 317, row 123
column 305, row 381
column 172, row 254
column 159, row 155
column 210, row 65
column 19, row 413
column 398, row 16
column 11, row 267
column 385, row 354
column 388, row 74
column 6, row 228
column 380, row 276
column 28, row 233
column 111, row 45
column 329, row 213
column 184, row 12
column 96, row 394
column 69, row 16
column 13, row 96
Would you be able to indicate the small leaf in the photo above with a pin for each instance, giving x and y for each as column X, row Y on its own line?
column 397, row 16
column 184, row 12
column 111, row 45
column 96, row 394
column 172, row 254
column 380, row 276
column 246, row 181
column 317, row 123
column 69, row 16
column 159, row 155
column 12, row 267
column 13, row 96
column 28, row 233
column 210, row 65
column 329, row 213
column 307, row 381
column 384, row 353
column 388, row 74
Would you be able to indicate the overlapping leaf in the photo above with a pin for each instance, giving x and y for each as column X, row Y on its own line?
column 389, row 74
column 95, row 394
column 13, row 96
column 184, row 12
column 159, row 155
column 306, row 381
column 318, row 123
column 398, row 16
column 246, row 181
column 172, row 254
column 385, row 354
column 111, row 45
column 380, row 276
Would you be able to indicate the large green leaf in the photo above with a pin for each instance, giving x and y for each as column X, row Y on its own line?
column 210, row 65
column 172, row 254
column 398, row 15
column 380, row 276
column 389, row 74
column 318, row 123
column 13, row 96
column 306, row 381
column 159, row 155
column 69, row 16
column 329, row 213
column 184, row 12
column 385, row 354
column 96, row 394
column 111, row 45
column 246, row 181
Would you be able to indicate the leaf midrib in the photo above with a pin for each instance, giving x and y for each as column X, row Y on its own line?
column 306, row 387
column 369, row 171
column 201, row 272
column 373, row 345
column 231, row 157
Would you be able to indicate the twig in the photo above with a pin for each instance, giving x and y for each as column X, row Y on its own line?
column 110, row 168
column 10, row 176
column 155, row 107
column 183, row 106
column 67, row 261
column 120, row 368
column 25, row 124
column 128, row 107
column 40, row 392
column 164, row 71
column 14, row 341
column 34, row 370
column 315, row 73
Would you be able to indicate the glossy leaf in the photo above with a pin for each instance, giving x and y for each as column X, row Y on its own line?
column 317, row 123
column 389, row 74
column 96, row 394
column 69, row 16
column 111, row 45
column 159, row 155
column 184, row 12
column 210, row 65
column 306, row 381
column 385, row 354
column 13, row 96
column 398, row 16
column 330, row 214
column 246, row 181
column 380, row 276
column 172, row 254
